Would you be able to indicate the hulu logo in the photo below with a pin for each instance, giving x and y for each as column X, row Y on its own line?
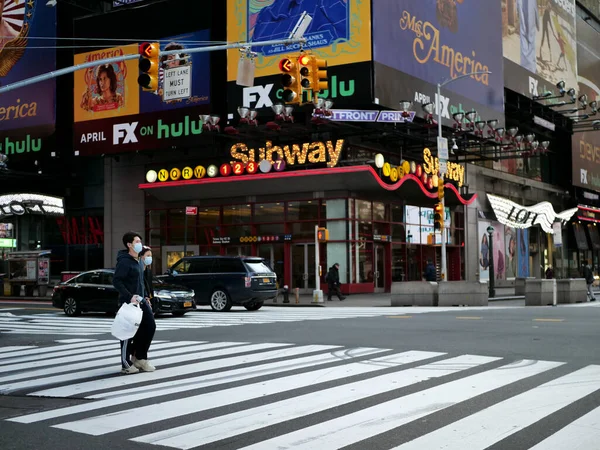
column 337, row 89
column 16, row 147
column 186, row 128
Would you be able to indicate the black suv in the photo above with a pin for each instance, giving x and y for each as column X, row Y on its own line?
column 224, row 281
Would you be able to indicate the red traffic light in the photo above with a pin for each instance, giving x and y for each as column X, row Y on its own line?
column 304, row 60
column 286, row 65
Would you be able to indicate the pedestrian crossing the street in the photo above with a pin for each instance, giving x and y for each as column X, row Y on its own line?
column 255, row 396
column 88, row 325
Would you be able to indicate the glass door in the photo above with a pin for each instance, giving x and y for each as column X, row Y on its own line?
column 273, row 255
column 303, row 268
column 379, row 275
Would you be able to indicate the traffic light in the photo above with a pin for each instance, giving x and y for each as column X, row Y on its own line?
column 306, row 72
column 149, row 53
column 319, row 74
column 440, row 188
column 290, row 80
column 322, row 234
column 438, row 217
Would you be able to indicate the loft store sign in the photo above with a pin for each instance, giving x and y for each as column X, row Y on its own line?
column 514, row 215
column 311, row 152
column 454, row 171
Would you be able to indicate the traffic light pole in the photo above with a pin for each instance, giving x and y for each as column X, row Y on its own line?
column 440, row 135
column 72, row 69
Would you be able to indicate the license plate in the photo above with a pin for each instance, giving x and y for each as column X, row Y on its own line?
column 187, row 304
column 266, row 280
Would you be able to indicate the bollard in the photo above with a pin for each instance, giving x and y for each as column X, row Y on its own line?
column 554, row 293
column 297, row 294
column 286, row 294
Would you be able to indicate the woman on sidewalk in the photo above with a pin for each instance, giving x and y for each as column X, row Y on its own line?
column 145, row 334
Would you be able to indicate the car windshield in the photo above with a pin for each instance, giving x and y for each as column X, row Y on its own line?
column 257, row 266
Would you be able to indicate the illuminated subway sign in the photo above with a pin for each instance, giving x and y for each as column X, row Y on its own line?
column 311, row 152
column 20, row 204
column 454, row 171
column 516, row 216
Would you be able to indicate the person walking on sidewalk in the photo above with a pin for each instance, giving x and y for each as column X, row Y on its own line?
column 333, row 282
column 128, row 280
column 589, row 280
column 145, row 333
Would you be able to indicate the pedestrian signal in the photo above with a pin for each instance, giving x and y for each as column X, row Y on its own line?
column 322, row 234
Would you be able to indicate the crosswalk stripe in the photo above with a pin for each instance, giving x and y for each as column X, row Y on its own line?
column 86, row 354
column 491, row 425
column 214, row 429
column 358, row 426
column 44, row 350
column 84, row 363
column 104, row 371
column 209, row 380
column 104, row 424
column 15, row 348
column 179, row 371
column 582, row 434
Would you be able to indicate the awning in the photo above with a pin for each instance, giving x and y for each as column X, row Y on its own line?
column 588, row 213
column 354, row 178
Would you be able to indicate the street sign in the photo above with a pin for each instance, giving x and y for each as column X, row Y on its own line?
column 178, row 83
column 442, row 145
column 191, row 210
column 443, row 166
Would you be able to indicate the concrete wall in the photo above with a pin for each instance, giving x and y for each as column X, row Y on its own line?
column 123, row 203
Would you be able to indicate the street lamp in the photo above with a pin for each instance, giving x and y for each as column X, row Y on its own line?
column 439, row 116
column 492, row 288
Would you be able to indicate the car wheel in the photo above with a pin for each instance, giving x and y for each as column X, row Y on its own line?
column 71, row 307
column 178, row 313
column 220, row 301
column 255, row 306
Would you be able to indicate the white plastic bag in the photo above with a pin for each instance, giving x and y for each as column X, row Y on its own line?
column 126, row 322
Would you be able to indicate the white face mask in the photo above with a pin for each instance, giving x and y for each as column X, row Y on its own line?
column 148, row 260
column 137, row 247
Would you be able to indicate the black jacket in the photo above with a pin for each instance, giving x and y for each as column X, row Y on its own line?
column 128, row 277
column 333, row 276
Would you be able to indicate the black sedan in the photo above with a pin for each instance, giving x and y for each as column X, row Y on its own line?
column 93, row 291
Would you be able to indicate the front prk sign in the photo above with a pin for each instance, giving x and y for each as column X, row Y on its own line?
column 514, row 215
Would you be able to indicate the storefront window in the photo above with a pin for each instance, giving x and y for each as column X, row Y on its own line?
column 397, row 213
column 270, row 229
column 364, row 210
column 398, row 233
column 269, row 212
column 157, row 218
column 205, row 235
column 177, row 234
column 237, row 231
column 398, row 263
column 365, row 230
column 303, row 230
column 365, row 263
column 209, row 215
column 303, row 210
column 237, row 214
column 379, row 212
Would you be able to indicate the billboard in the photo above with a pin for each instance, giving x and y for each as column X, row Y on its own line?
column 586, row 145
column 539, row 45
column 340, row 31
column 27, row 41
column 431, row 41
column 111, row 90
column 113, row 114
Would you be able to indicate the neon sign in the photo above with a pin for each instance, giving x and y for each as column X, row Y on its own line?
column 20, row 204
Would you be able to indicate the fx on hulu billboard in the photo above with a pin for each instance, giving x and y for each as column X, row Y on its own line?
column 340, row 31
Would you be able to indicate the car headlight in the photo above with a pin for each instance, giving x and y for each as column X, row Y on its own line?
column 162, row 294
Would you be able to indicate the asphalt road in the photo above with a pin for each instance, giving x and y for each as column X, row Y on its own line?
column 307, row 378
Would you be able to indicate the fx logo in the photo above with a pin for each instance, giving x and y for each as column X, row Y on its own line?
column 126, row 131
column 584, row 174
column 533, row 86
column 263, row 100
column 444, row 103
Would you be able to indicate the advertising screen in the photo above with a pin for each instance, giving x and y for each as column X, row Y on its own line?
column 419, row 44
column 339, row 31
column 539, row 45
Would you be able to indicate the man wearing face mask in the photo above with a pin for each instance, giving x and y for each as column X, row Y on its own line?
column 128, row 280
